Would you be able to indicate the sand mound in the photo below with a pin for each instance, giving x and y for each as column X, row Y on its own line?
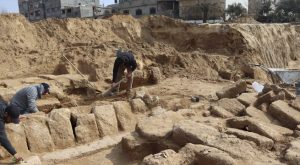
column 177, row 48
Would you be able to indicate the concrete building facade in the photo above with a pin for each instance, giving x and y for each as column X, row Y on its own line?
column 36, row 10
column 139, row 8
column 184, row 9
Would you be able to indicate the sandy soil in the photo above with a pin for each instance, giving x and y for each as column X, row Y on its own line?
column 114, row 156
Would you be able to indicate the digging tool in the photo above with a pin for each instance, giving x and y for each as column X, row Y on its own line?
column 108, row 92
column 91, row 84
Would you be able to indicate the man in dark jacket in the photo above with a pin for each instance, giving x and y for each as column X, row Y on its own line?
column 8, row 115
column 24, row 100
column 124, row 60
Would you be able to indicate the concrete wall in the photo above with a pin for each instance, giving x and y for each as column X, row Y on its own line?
column 132, row 6
column 23, row 7
column 188, row 9
column 36, row 10
column 53, row 8
column 79, row 2
column 168, row 8
column 86, row 11
column 41, row 9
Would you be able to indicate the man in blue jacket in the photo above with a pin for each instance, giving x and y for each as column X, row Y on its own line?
column 124, row 60
column 8, row 115
column 25, row 99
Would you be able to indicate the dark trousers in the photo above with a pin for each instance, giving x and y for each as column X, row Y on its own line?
column 119, row 78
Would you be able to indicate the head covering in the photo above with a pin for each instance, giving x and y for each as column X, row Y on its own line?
column 14, row 114
column 46, row 88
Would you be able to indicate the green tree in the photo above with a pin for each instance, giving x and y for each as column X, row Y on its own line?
column 266, row 13
column 236, row 10
column 287, row 11
column 203, row 9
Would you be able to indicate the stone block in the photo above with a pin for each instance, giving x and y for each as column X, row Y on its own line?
column 125, row 117
column 38, row 135
column 46, row 105
column 155, row 128
column 61, row 128
column 6, row 94
column 136, row 147
column 17, row 137
column 258, row 114
column 287, row 115
column 76, row 111
column 197, row 133
column 155, row 75
column 271, row 131
column 220, row 112
column 293, row 153
column 106, row 120
column 86, row 128
column 247, row 98
column 205, row 155
column 187, row 131
column 166, row 157
column 232, row 91
column 139, row 106
column 259, row 140
column 156, row 111
column 232, row 105
column 141, row 92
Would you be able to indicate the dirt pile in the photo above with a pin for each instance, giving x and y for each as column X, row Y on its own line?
column 198, row 52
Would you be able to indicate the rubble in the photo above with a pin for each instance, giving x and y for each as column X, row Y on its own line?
column 271, row 131
column 261, row 141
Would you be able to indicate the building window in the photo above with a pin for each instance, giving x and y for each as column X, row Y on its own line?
column 125, row 11
column 63, row 11
column 138, row 12
column 69, row 11
column 152, row 10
